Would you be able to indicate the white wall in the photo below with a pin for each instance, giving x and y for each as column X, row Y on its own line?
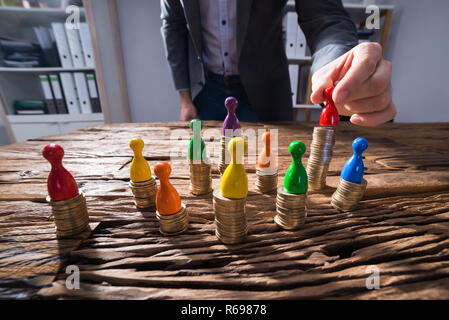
column 152, row 96
column 418, row 47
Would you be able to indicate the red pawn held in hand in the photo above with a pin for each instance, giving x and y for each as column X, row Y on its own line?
column 60, row 183
column 329, row 114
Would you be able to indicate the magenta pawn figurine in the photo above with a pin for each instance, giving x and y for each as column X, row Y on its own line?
column 231, row 122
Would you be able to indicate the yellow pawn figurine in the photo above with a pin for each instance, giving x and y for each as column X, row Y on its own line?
column 140, row 170
column 142, row 183
column 234, row 184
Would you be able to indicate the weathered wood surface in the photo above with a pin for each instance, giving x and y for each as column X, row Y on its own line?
column 401, row 226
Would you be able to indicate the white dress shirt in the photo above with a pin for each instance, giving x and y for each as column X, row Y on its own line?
column 218, row 26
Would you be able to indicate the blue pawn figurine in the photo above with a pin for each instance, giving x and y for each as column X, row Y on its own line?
column 353, row 169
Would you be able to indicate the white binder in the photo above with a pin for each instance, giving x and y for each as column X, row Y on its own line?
column 57, row 92
column 71, row 98
column 83, row 93
column 48, row 95
column 73, row 38
column 94, row 99
column 293, row 70
column 87, row 45
column 62, row 44
column 290, row 39
column 300, row 43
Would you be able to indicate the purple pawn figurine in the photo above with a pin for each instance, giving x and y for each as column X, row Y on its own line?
column 231, row 122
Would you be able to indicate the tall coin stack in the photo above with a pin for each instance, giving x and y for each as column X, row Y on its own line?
column 291, row 198
column 70, row 216
column 144, row 194
column 68, row 204
column 229, row 202
column 170, row 211
column 142, row 184
column 173, row 224
column 200, row 178
column 322, row 143
column 224, row 154
column 352, row 186
column 230, row 219
column 320, row 157
column 348, row 195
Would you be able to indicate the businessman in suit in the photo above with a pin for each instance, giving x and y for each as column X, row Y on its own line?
column 219, row 48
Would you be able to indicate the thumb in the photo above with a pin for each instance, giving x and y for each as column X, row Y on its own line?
column 329, row 76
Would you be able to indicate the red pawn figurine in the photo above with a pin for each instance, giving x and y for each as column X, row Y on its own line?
column 329, row 114
column 60, row 183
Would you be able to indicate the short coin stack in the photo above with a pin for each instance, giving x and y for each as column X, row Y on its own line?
column 320, row 156
column 230, row 219
column 224, row 154
column 266, row 181
column 144, row 193
column 173, row 224
column 71, row 217
column 200, row 177
column 291, row 209
column 352, row 186
column 348, row 195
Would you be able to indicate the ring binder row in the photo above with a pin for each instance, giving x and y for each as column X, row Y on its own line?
column 74, row 45
column 70, row 92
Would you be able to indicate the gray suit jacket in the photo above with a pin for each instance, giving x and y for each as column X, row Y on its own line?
column 263, row 64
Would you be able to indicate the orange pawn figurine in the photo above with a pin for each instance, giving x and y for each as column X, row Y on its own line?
column 168, row 200
column 171, row 213
column 267, row 158
column 266, row 170
column 60, row 182
column 68, row 205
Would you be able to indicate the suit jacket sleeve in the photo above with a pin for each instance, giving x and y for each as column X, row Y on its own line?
column 175, row 37
column 329, row 30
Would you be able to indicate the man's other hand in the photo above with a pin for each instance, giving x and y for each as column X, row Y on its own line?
column 188, row 110
column 362, row 80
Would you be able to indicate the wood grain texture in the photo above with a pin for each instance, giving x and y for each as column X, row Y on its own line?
column 401, row 226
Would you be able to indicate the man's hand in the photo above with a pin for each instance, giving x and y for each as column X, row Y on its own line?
column 362, row 80
column 188, row 110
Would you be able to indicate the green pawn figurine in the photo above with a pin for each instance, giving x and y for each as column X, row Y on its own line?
column 197, row 147
column 295, row 180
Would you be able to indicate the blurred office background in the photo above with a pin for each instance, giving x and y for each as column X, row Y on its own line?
column 131, row 76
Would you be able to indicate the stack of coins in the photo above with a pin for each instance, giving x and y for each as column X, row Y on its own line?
column 173, row 224
column 320, row 156
column 266, row 181
column 291, row 209
column 230, row 219
column 224, row 154
column 348, row 195
column 71, row 217
column 200, row 177
column 144, row 194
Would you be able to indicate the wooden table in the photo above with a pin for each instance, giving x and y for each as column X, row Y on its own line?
column 401, row 226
